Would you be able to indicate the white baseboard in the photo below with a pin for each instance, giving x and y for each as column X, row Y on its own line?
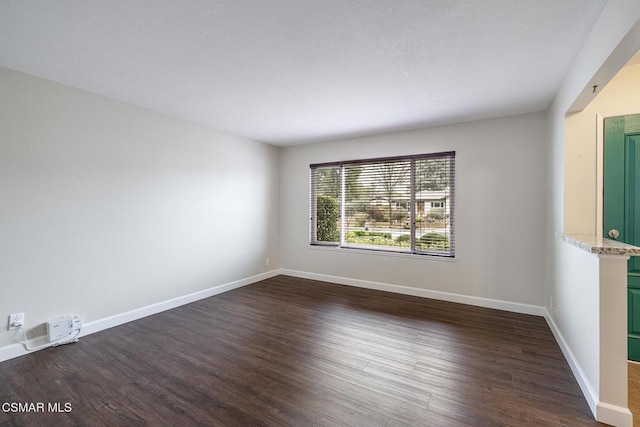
column 614, row 415
column 602, row 411
column 586, row 387
column 425, row 293
column 15, row 350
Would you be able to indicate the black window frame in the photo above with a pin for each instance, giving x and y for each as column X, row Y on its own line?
column 415, row 248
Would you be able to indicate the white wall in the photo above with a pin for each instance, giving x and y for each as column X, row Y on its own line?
column 594, row 291
column 500, row 175
column 106, row 207
column 596, row 58
column 581, row 296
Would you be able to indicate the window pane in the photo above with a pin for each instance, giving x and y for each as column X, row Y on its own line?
column 377, row 205
column 433, row 205
column 326, row 184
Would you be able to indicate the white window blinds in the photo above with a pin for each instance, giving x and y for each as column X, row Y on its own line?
column 399, row 204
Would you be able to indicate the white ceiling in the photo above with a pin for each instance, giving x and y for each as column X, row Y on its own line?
column 296, row 71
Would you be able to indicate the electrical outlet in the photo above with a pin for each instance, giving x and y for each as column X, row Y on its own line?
column 266, row 261
column 16, row 320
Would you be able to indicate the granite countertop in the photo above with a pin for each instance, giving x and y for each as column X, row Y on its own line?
column 599, row 245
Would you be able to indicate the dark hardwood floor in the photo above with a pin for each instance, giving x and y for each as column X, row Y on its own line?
column 288, row 351
column 633, row 383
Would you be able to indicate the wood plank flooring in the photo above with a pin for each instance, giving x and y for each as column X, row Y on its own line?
column 633, row 370
column 294, row 352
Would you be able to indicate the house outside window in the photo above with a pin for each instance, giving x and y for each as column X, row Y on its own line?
column 400, row 204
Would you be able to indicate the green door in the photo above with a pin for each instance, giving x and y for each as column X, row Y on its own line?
column 622, row 207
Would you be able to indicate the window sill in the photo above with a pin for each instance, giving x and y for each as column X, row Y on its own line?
column 383, row 253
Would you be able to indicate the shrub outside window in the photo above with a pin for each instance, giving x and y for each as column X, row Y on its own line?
column 397, row 204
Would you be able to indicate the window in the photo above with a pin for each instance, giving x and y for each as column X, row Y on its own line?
column 399, row 204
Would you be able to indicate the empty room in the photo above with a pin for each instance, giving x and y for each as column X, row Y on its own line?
column 319, row 213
